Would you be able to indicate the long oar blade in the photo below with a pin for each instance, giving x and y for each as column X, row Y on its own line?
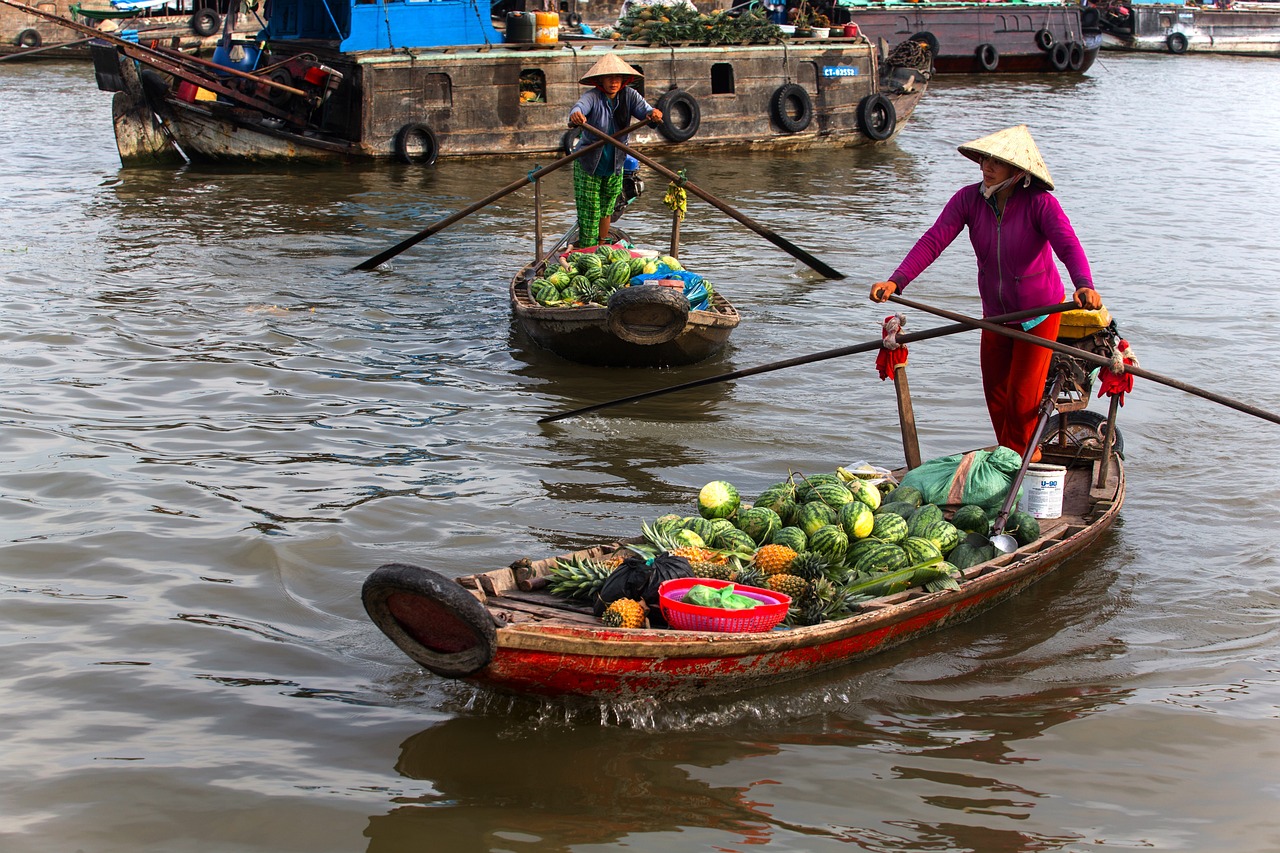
column 995, row 324
column 776, row 239
column 382, row 257
column 805, row 359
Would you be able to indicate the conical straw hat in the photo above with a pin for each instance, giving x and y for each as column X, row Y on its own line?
column 1014, row 146
column 609, row 64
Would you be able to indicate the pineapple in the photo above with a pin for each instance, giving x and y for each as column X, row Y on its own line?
column 625, row 613
column 773, row 559
column 809, row 565
column 750, row 575
column 703, row 562
column 706, row 563
column 788, row 585
column 580, row 578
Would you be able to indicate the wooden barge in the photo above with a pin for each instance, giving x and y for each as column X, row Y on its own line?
column 985, row 38
column 422, row 81
column 1245, row 29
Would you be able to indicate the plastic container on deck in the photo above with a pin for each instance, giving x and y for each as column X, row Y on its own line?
column 548, row 27
column 520, row 27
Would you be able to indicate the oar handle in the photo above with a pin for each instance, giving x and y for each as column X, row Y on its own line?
column 806, row 359
column 776, row 239
column 995, row 324
column 382, row 257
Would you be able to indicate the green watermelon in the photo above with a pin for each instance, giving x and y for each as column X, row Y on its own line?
column 833, row 495
column 902, row 508
column 760, row 523
column 864, row 491
column 920, row 550
column 737, row 541
column 685, row 537
column 619, row 273
column 586, row 263
column 885, row 558
column 830, row 541
column 944, row 534
column 792, row 537
column 923, row 518
column 856, row 519
column 718, row 499
column 1022, row 526
column 804, row 491
column 699, row 525
column 889, row 527
column 859, row 547
column 971, row 518
column 779, row 499
column 636, row 266
column 813, row 515
column 965, row 555
column 906, row 494
column 719, row 526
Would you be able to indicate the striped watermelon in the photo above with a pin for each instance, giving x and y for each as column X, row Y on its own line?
column 830, row 541
column 700, row 526
column 866, row 492
column 833, row 495
column 889, row 527
column 780, row 499
column 792, row 537
column 760, row 523
column 718, row 499
column 923, row 518
column 813, row 515
column 856, row 519
column 804, row 491
column 920, row 550
column 971, row 518
column 906, row 494
column 859, row 547
column 735, row 540
column 885, row 558
column 944, row 534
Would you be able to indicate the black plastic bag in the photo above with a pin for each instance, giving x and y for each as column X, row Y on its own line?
column 639, row 578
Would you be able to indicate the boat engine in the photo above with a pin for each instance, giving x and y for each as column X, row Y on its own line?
column 314, row 84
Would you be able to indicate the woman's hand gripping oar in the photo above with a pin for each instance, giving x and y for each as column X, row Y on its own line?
column 381, row 258
column 808, row 359
column 776, row 239
column 995, row 324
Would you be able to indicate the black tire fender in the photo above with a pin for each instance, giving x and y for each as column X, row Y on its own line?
column 1075, row 59
column 1176, row 42
column 930, row 41
column 1060, row 56
column 1045, row 40
column 425, row 140
column 431, row 618
column 791, row 107
column 205, row 22
column 573, row 19
column 988, row 56
column 681, row 115
column 876, row 117
column 647, row 314
column 1089, row 18
column 29, row 38
column 1083, row 429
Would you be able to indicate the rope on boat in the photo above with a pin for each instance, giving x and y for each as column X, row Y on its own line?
column 910, row 54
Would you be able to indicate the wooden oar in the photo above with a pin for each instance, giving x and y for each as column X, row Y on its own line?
column 776, row 239
column 808, row 359
column 995, row 324
column 534, row 175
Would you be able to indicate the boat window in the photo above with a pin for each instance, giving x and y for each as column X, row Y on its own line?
column 722, row 79
column 533, row 86
column 1166, row 20
column 638, row 85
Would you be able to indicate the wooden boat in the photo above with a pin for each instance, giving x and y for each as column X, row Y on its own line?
column 420, row 81
column 1247, row 29
column 985, row 38
column 503, row 630
column 641, row 326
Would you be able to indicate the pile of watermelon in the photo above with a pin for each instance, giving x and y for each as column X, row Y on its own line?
column 590, row 278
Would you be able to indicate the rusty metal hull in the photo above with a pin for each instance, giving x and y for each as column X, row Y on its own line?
column 536, row 651
column 469, row 99
column 962, row 29
column 583, row 335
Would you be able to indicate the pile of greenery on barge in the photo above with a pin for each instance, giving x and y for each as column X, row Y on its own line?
column 667, row 25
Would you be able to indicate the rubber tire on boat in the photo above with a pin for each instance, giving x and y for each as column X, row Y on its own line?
column 205, row 22
column 1060, row 56
column 569, row 140
column 573, row 19
column 279, row 97
column 988, row 56
column 929, row 39
column 464, row 638
column 1176, row 42
column 1083, row 426
column 877, row 117
column 1076, row 54
column 1089, row 18
column 1045, row 40
column 679, row 101
column 29, row 38
column 792, row 107
column 423, row 136
column 647, row 300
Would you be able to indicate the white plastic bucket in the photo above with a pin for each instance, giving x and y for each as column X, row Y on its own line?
column 1042, row 490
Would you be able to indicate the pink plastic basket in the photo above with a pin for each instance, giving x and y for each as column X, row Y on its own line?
column 690, row 617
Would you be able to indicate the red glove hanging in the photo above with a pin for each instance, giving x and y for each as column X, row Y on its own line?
column 891, row 353
column 1116, row 379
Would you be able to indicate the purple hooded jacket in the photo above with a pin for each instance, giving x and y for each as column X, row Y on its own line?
column 1015, row 254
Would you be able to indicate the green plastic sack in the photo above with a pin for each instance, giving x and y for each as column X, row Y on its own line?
column 724, row 598
column 982, row 477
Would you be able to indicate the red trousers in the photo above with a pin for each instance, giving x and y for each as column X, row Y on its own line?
column 1013, row 379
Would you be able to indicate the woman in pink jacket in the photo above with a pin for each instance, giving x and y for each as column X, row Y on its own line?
column 1016, row 227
